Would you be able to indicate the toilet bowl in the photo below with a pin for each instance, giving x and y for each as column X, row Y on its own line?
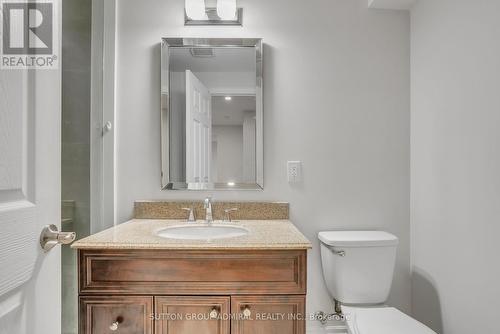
column 358, row 268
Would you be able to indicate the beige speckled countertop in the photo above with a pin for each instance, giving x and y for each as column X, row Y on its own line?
column 141, row 234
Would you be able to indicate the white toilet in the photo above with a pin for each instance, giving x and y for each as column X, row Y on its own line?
column 358, row 267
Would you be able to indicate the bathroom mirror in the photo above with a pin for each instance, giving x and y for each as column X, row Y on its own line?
column 211, row 114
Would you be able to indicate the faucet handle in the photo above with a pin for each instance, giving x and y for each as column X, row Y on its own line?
column 191, row 217
column 227, row 214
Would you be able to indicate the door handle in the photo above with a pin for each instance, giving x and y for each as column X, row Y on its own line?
column 51, row 237
column 107, row 127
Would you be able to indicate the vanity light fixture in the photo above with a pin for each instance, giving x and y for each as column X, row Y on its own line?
column 225, row 13
column 195, row 10
column 231, row 184
column 226, row 9
column 228, row 98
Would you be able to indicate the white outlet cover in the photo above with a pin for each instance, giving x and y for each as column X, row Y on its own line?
column 294, row 171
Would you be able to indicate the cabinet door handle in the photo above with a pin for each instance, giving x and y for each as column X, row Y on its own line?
column 114, row 326
column 214, row 313
column 247, row 312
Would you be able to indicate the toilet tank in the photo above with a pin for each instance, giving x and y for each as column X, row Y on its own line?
column 358, row 266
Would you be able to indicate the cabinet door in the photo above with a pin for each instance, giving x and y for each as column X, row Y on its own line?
column 192, row 315
column 111, row 314
column 268, row 315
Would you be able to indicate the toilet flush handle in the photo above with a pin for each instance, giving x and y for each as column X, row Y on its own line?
column 340, row 253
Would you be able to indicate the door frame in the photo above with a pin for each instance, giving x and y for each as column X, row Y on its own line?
column 103, row 116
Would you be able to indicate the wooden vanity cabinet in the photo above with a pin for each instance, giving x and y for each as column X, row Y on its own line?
column 116, row 314
column 268, row 314
column 159, row 291
column 191, row 314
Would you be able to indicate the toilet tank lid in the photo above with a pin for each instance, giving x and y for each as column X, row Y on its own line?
column 358, row 238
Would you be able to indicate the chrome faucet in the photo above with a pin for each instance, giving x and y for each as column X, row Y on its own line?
column 208, row 209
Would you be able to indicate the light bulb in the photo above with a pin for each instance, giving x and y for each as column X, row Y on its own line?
column 195, row 9
column 226, row 9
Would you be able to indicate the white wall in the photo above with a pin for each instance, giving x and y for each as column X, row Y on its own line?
column 455, row 163
column 336, row 94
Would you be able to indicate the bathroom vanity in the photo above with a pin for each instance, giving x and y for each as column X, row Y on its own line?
column 132, row 280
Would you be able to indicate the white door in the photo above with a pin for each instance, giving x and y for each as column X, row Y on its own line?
column 198, row 131
column 30, row 149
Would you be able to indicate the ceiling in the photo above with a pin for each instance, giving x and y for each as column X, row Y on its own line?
column 391, row 4
column 224, row 60
column 231, row 112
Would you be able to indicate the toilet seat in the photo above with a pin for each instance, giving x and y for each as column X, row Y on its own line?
column 382, row 320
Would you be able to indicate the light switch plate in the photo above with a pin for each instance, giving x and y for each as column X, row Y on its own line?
column 294, row 171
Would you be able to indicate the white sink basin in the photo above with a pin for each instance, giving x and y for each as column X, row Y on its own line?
column 202, row 232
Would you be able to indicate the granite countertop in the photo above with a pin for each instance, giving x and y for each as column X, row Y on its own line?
column 141, row 234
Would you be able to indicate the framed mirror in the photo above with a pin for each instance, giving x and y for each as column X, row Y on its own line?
column 211, row 114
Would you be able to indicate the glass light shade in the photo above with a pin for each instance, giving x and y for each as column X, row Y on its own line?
column 195, row 9
column 226, row 9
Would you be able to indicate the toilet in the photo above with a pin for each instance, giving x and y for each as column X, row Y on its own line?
column 358, row 267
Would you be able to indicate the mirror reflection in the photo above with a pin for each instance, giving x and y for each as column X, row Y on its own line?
column 211, row 116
